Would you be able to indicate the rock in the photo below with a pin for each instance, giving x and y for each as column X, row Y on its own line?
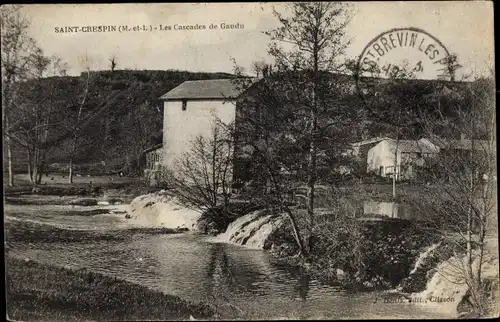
column 115, row 201
column 84, row 202
column 341, row 275
column 117, row 212
column 206, row 226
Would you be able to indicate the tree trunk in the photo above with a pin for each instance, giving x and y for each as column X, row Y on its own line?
column 6, row 107
column 30, row 173
column 76, row 131
column 395, row 172
column 41, row 167
column 70, row 174
column 470, row 273
column 311, row 167
column 35, row 165
column 296, row 232
column 9, row 160
column 311, row 181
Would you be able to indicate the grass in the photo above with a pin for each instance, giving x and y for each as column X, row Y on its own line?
column 37, row 292
column 57, row 184
column 29, row 232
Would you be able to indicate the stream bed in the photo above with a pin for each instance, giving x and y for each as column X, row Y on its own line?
column 244, row 283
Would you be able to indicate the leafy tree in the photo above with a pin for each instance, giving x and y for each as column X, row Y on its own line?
column 300, row 114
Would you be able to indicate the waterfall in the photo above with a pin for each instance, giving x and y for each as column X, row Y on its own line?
column 422, row 258
column 253, row 230
column 447, row 288
column 417, row 278
column 161, row 210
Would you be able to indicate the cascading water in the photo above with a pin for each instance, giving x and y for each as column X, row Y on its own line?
column 161, row 210
column 422, row 258
column 253, row 230
column 417, row 277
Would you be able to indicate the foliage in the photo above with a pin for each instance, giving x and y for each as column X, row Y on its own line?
column 292, row 123
column 377, row 254
column 119, row 103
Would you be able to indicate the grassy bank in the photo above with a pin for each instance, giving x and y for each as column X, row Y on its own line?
column 45, row 293
column 29, row 232
column 57, row 184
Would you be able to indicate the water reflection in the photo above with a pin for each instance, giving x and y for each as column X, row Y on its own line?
column 243, row 283
column 303, row 285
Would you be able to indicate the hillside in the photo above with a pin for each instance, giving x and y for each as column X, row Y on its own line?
column 122, row 113
column 123, row 109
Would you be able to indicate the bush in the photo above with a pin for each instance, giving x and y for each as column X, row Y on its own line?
column 374, row 253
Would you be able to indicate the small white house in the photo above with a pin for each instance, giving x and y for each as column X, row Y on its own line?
column 359, row 149
column 407, row 153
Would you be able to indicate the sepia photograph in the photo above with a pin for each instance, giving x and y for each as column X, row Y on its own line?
column 249, row 161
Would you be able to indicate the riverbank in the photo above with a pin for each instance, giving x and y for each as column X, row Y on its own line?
column 47, row 293
column 238, row 283
column 33, row 232
column 56, row 184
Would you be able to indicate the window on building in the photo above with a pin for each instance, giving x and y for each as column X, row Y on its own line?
column 184, row 105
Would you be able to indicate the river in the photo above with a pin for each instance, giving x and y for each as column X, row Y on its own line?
column 244, row 283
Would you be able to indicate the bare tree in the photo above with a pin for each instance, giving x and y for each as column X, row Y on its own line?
column 23, row 60
column 16, row 49
column 202, row 176
column 87, row 65
column 35, row 109
column 258, row 67
column 113, row 62
column 465, row 172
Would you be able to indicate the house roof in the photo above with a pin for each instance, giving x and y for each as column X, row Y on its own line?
column 205, row 89
column 413, row 146
column 153, row 148
column 463, row 144
column 369, row 141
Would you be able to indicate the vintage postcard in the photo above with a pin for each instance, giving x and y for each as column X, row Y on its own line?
column 249, row 161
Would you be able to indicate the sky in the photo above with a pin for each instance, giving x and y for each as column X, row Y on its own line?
column 464, row 28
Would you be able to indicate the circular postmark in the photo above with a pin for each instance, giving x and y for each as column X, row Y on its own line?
column 394, row 58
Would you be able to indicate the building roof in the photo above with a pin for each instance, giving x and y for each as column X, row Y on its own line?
column 153, row 148
column 414, row 146
column 463, row 144
column 205, row 89
column 369, row 141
